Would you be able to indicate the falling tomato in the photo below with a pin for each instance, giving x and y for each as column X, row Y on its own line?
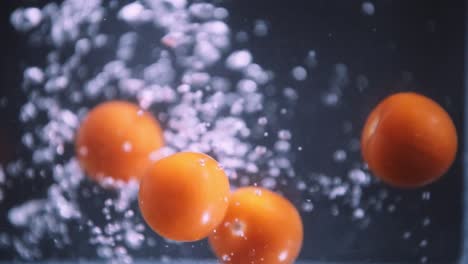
column 260, row 227
column 116, row 139
column 183, row 197
column 409, row 140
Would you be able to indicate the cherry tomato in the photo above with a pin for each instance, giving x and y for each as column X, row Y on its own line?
column 409, row 140
column 183, row 197
column 260, row 227
column 116, row 139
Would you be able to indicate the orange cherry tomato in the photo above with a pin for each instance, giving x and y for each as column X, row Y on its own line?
column 183, row 197
column 115, row 140
column 260, row 227
column 409, row 140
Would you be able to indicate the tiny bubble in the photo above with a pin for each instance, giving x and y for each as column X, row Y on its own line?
column 423, row 243
column 262, row 121
column 406, row 235
column 339, row 155
column 83, row 151
column 127, row 146
column 202, row 162
column 226, row 257
column 368, row 8
column 426, row 221
column 307, row 206
column 358, row 213
column 426, row 196
column 299, row 73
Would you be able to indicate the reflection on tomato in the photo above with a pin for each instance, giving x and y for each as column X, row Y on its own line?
column 183, row 197
column 260, row 227
column 116, row 139
column 409, row 140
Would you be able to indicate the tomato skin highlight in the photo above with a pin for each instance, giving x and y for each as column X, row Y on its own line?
column 260, row 227
column 184, row 197
column 116, row 139
column 409, row 140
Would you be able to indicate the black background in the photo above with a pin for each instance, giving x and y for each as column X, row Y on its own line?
column 421, row 37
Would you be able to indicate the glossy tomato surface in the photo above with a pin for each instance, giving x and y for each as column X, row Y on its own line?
column 260, row 227
column 183, row 197
column 116, row 139
column 409, row 140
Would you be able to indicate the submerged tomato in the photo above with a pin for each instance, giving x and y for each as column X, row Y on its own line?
column 183, row 197
column 115, row 140
column 409, row 140
column 260, row 227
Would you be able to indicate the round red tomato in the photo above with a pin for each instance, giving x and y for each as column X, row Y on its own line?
column 183, row 197
column 260, row 227
column 116, row 139
column 409, row 140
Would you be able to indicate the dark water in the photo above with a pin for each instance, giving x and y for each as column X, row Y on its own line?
column 406, row 45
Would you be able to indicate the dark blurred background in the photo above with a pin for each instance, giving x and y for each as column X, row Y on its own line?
column 413, row 45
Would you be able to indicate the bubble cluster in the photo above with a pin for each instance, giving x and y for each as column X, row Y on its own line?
column 185, row 77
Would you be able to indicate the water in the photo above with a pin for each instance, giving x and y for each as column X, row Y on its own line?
column 184, row 63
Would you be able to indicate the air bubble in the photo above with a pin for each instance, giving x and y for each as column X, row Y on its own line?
column 238, row 60
column 299, row 73
column 260, row 28
column 127, row 146
column 426, row 222
column 284, row 134
column 358, row 213
column 203, row 11
column 339, row 155
column 368, row 8
column 426, row 196
column 423, row 243
column 359, row 177
column 307, row 206
column 25, row 19
column 237, row 228
column 269, row 183
column 283, row 256
column 406, row 235
column 34, row 75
